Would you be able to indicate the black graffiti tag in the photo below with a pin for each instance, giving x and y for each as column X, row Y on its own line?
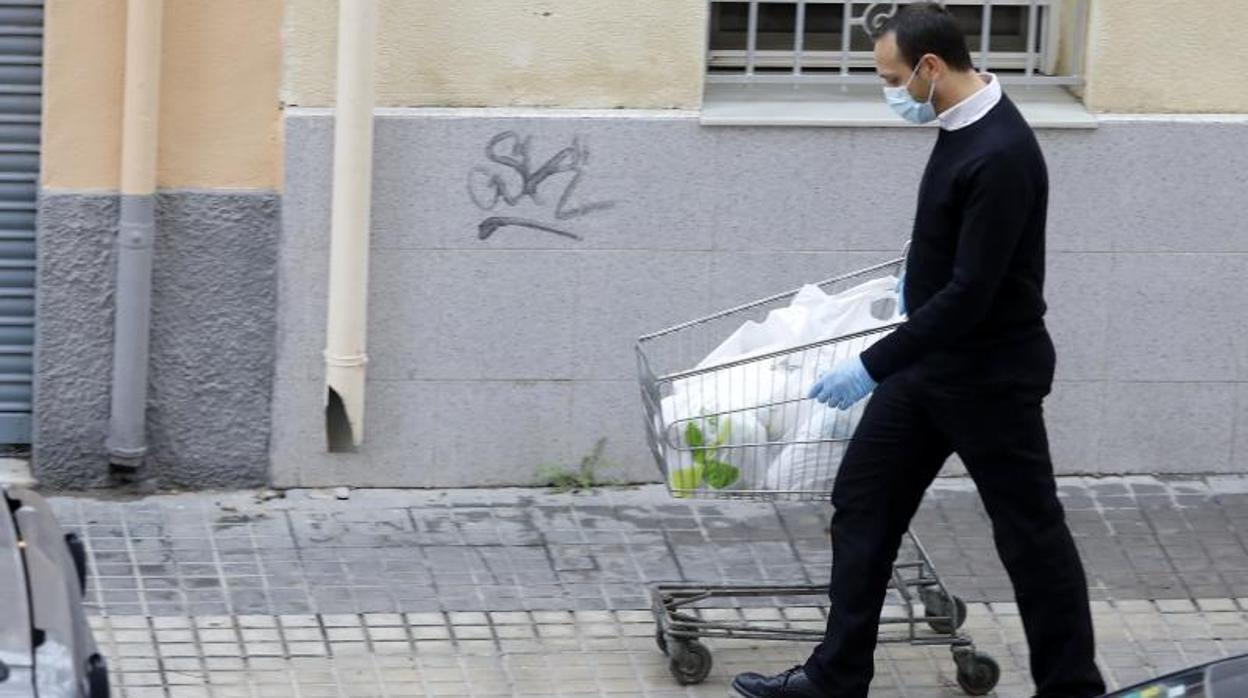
column 488, row 187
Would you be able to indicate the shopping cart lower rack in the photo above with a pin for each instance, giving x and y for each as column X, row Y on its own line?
column 711, row 431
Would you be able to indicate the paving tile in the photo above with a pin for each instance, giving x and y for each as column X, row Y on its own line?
column 517, row 550
column 491, row 592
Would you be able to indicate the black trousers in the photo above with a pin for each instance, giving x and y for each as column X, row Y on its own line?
column 909, row 429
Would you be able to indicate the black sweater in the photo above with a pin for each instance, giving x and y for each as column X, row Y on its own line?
column 975, row 272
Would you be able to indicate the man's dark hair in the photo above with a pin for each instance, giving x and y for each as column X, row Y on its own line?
column 926, row 27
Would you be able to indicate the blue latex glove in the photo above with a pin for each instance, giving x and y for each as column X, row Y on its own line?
column 847, row 383
column 901, row 294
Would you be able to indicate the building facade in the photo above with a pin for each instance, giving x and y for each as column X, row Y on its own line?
column 703, row 154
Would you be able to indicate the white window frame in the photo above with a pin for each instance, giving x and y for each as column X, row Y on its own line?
column 848, row 66
column 847, row 71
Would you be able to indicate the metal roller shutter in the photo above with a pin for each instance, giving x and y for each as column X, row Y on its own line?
column 21, row 76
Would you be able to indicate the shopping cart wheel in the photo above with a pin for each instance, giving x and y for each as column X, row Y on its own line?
column 660, row 639
column 939, row 606
column 690, row 662
column 978, row 673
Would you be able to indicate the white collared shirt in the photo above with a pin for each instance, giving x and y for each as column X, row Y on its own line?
column 973, row 108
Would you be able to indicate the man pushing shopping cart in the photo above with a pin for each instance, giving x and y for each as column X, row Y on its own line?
column 965, row 374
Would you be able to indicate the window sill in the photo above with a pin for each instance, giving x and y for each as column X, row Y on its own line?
column 773, row 104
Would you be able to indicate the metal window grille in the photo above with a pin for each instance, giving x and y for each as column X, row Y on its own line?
column 790, row 41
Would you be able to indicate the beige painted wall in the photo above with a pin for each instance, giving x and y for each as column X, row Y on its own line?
column 564, row 53
column 1167, row 56
column 1159, row 56
column 83, row 59
column 220, row 111
column 223, row 69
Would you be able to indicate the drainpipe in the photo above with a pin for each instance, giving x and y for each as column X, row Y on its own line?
column 345, row 355
column 136, row 233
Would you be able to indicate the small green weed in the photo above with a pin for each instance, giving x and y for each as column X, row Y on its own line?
column 583, row 476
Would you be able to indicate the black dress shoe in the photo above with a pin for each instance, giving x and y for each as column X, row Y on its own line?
column 791, row 684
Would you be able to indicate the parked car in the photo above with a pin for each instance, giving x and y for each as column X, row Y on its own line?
column 46, row 646
column 1224, row 678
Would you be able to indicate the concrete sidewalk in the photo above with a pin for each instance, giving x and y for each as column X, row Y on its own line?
column 524, row 592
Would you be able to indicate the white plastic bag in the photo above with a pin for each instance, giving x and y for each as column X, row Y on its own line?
column 808, row 463
column 782, row 328
column 864, row 307
column 765, row 400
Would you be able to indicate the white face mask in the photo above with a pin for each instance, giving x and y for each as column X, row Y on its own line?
column 906, row 106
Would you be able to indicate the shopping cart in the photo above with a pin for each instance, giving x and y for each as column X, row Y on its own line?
column 701, row 457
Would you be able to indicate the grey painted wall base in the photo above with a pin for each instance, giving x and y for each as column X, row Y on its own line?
column 492, row 356
column 213, row 322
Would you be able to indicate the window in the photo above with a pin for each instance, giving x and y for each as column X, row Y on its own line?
column 789, row 43
column 761, row 39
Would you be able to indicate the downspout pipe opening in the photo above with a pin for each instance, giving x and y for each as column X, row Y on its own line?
column 338, row 425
